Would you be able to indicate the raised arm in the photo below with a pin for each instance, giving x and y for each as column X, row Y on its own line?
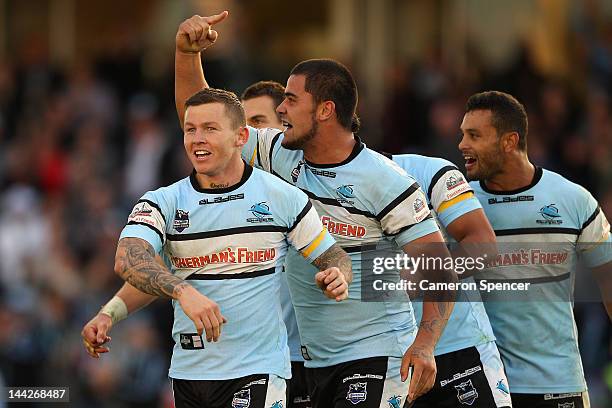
column 193, row 36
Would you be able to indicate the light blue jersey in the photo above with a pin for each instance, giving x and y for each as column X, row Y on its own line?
column 556, row 221
column 230, row 244
column 450, row 196
column 365, row 200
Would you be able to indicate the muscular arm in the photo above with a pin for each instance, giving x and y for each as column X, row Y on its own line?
column 475, row 235
column 335, row 257
column 135, row 263
column 437, row 305
column 188, row 79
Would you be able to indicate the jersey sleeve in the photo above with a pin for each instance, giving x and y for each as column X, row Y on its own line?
column 259, row 149
column 404, row 214
column 306, row 232
column 450, row 195
column 594, row 241
column 147, row 221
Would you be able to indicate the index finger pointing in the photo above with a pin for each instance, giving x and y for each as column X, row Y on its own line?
column 217, row 18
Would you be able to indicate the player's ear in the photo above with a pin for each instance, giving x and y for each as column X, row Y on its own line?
column 510, row 141
column 326, row 110
column 243, row 136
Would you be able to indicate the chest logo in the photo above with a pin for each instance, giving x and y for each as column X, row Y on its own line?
column 181, row 220
column 551, row 215
column 262, row 213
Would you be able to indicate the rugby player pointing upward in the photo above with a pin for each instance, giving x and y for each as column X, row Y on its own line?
column 527, row 204
column 357, row 353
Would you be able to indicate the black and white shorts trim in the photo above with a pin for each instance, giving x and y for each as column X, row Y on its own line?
column 253, row 391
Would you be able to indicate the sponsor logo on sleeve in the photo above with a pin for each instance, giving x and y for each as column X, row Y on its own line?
column 455, row 185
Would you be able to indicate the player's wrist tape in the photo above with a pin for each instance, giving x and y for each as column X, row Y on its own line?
column 116, row 309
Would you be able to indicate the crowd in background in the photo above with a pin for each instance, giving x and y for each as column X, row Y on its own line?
column 79, row 146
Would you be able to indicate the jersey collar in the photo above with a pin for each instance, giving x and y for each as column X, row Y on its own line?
column 356, row 150
column 248, row 170
column 537, row 175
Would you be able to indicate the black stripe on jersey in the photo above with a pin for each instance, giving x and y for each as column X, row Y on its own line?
column 437, row 177
column 223, row 232
column 154, row 205
column 161, row 236
column 542, row 230
column 359, row 248
column 542, row 279
column 407, row 227
column 220, row 276
column 274, row 140
column 414, row 187
column 335, row 203
column 591, row 218
column 301, row 215
column 258, row 149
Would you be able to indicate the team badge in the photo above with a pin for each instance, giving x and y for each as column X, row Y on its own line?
column 181, row 220
column 261, row 211
column 277, row 404
column 466, row 393
column 357, row 393
column 566, row 405
column 295, row 173
column 346, row 191
column 550, row 213
column 242, row 399
column 395, row 401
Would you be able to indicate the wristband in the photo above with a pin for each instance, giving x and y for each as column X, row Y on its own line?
column 116, row 309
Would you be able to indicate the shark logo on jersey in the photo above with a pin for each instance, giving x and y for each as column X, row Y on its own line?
column 501, row 385
column 466, row 393
column 395, row 401
column 295, row 173
column 261, row 212
column 344, row 192
column 357, row 393
column 242, row 399
column 277, row 404
column 181, row 220
column 550, row 213
column 566, row 405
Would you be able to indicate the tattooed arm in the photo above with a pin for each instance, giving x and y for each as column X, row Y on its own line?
column 437, row 307
column 135, row 263
column 336, row 273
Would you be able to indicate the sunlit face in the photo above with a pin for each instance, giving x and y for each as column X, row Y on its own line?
column 210, row 140
column 297, row 114
column 261, row 112
column 481, row 146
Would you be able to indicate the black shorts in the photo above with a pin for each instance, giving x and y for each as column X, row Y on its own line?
column 297, row 387
column 472, row 377
column 565, row 400
column 364, row 383
column 252, row 391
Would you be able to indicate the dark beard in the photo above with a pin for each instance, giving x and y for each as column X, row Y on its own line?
column 300, row 142
column 493, row 165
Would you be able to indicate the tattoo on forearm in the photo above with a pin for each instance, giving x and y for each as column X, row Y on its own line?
column 335, row 256
column 136, row 264
column 433, row 326
column 421, row 352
